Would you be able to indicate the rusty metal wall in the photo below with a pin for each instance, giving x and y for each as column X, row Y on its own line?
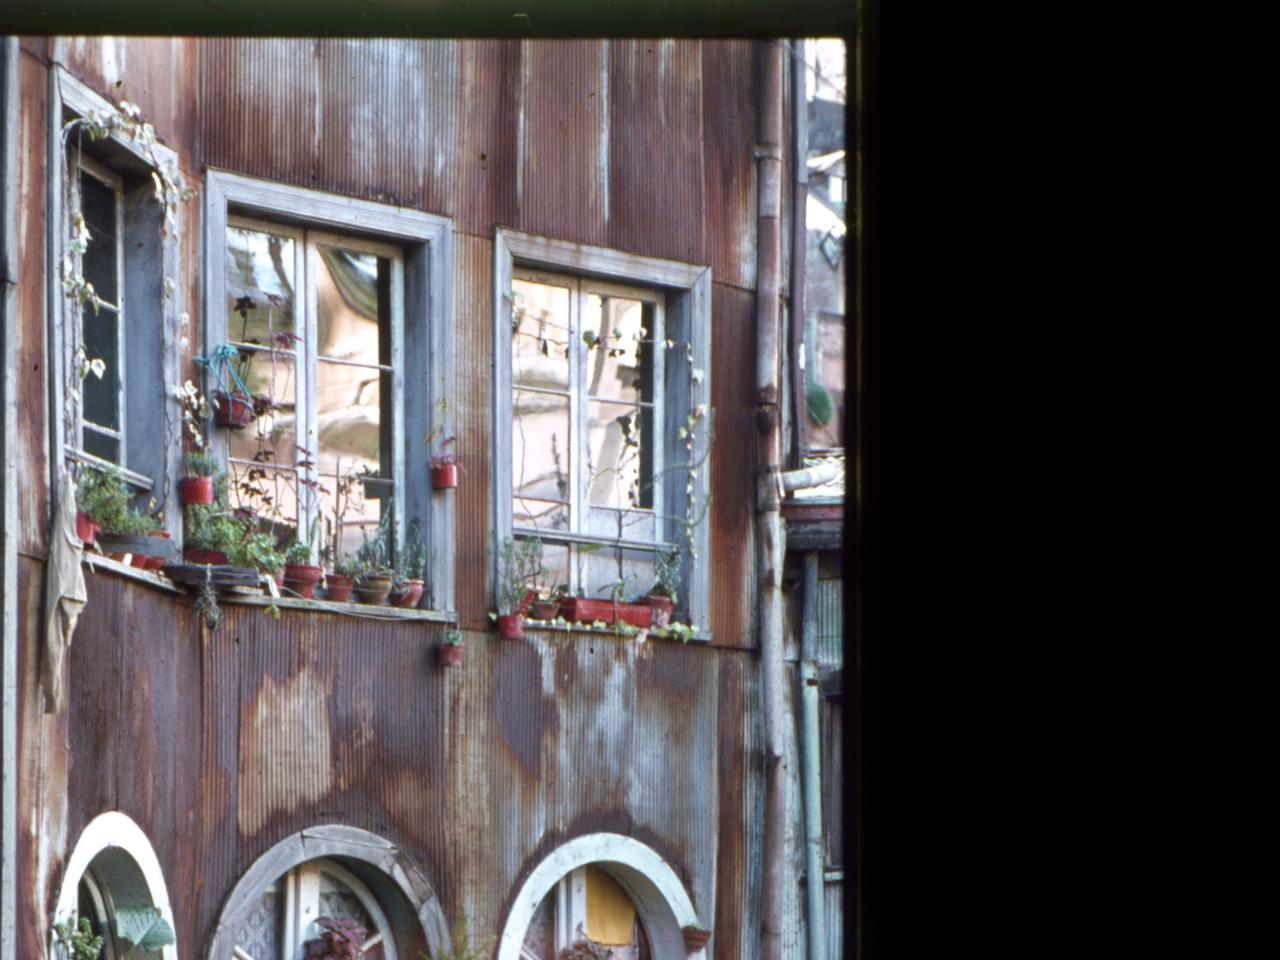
column 221, row 745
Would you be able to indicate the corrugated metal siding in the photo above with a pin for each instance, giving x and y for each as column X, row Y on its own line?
column 563, row 170
column 486, row 157
column 833, row 904
column 740, row 820
column 656, row 191
column 732, row 513
column 473, row 325
column 729, row 92
column 830, row 622
column 29, row 452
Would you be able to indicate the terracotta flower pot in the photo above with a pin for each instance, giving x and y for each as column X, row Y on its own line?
column 449, row 654
column 444, row 476
column 695, row 938
column 586, row 610
column 302, row 578
column 86, row 529
column 661, row 607
column 337, row 587
column 510, row 627
column 193, row 555
column 373, row 590
column 235, row 410
column 544, row 610
column 409, row 594
column 196, row 490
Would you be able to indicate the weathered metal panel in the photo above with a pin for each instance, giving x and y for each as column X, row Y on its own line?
column 656, row 198
column 259, row 107
column 729, row 90
column 833, row 902
column 473, row 326
column 30, row 450
column 563, row 170
column 487, row 146
column 732, row 513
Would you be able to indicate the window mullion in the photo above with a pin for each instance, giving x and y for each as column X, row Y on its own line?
column 118, row 242
column 397, row 404
column 307, row 373
column 657, row 353
column 577, row 427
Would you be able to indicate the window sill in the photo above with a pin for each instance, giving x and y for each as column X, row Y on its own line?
column 101, row 564
column 559, row 626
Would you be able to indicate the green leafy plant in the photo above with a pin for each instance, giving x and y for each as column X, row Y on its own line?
column 201, row 463
column 520, row 567
column 415, row 554
column 135, row 523
column 210, row 527
column 374, row 555
column 298, row 553
column 102, row 494
column 207, row 605
column 78, row 940
column 666, row 571
column 257, row 550
column 452, row 637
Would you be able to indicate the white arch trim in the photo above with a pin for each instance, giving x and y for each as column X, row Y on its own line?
column 107, row 830
column 660, row 898
column 332, row 840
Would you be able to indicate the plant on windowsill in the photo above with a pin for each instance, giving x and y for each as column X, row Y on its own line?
column 520, row 566
column 77, row 939
column 209, row 531
column 613, row 611
column 300, row 574
column 197, row 485
column 101, row 499
column 662, row 596
column 258, row 551
column 449, row 650
column 340, row 940
column 373, row 583
column 407, row 587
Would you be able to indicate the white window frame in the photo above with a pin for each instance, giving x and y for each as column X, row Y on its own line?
column 687, row 292
column 69, row 97
column 426, row 359
column 306, row 359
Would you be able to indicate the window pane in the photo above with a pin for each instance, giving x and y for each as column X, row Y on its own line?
column 363, row 501
column 540, row 446
column 619, row 349
column 100, row 445
column 260, row 934
column 98, row 206
column 598, row 570
column 556, row 565
column 350, row 299
column 540, row 514
column 270, row 492
column 271, row 437
column 540, row 335
column 619, row 456
column 102, row 396
column 350, row 402
column 260, row 268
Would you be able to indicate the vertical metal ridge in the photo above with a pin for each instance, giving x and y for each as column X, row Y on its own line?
column 729, row 135
column 830, row 622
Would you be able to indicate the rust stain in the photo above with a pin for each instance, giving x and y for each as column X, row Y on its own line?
column 518, row 703
column 285, row 757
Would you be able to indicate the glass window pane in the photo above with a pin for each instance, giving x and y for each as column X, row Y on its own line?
column 271, row 493
column 602, row 572
column 350, row 298
column 350, row 404
column 540, row 335
column 363, row 501
column 98, row 207
column 619, row 455
column 260, row 288
column 272, row 436
column 540, row 514
column 261, row 932
column 101, row 341
column 101, row 445
column 619, row 348
column 540, row 448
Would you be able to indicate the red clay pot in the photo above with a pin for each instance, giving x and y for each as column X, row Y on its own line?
column 235, row 411
column 445, row 476
column 694, row 938
column 302, row 578
column 192, row 555
column 86, row 529
column 449, row 654
column 409, row 595
column 337, row 588
column 584, row 610
column 196, row 490
column 661, row 607
column 511, row 627
column 544, row 610
column 138, row 560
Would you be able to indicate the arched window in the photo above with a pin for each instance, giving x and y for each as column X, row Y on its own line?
column 587, row 907
column 285, row 916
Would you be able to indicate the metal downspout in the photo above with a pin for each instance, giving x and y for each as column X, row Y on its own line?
column 811, row 766
column 772, row 539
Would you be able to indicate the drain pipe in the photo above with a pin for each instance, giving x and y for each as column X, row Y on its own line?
column 772, row 539
column 811, row 765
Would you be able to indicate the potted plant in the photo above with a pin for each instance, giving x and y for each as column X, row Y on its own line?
column 610, row 611
column 340, row 939
column 373, row 583
column 444, row 467
column 197, row 485
column 521, row 565
column 233, row 410
column 409, row 584
column 209, row 531
column 662, row 596
column 257, row 551
column 300, row 574
column 449, row 650
column 101, row 498
column 130, row 533
column 546, row 606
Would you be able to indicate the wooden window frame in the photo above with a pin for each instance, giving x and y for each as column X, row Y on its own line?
column 426, row 361
column 687, row 292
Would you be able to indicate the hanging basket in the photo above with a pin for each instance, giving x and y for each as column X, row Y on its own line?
column 235, row 410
